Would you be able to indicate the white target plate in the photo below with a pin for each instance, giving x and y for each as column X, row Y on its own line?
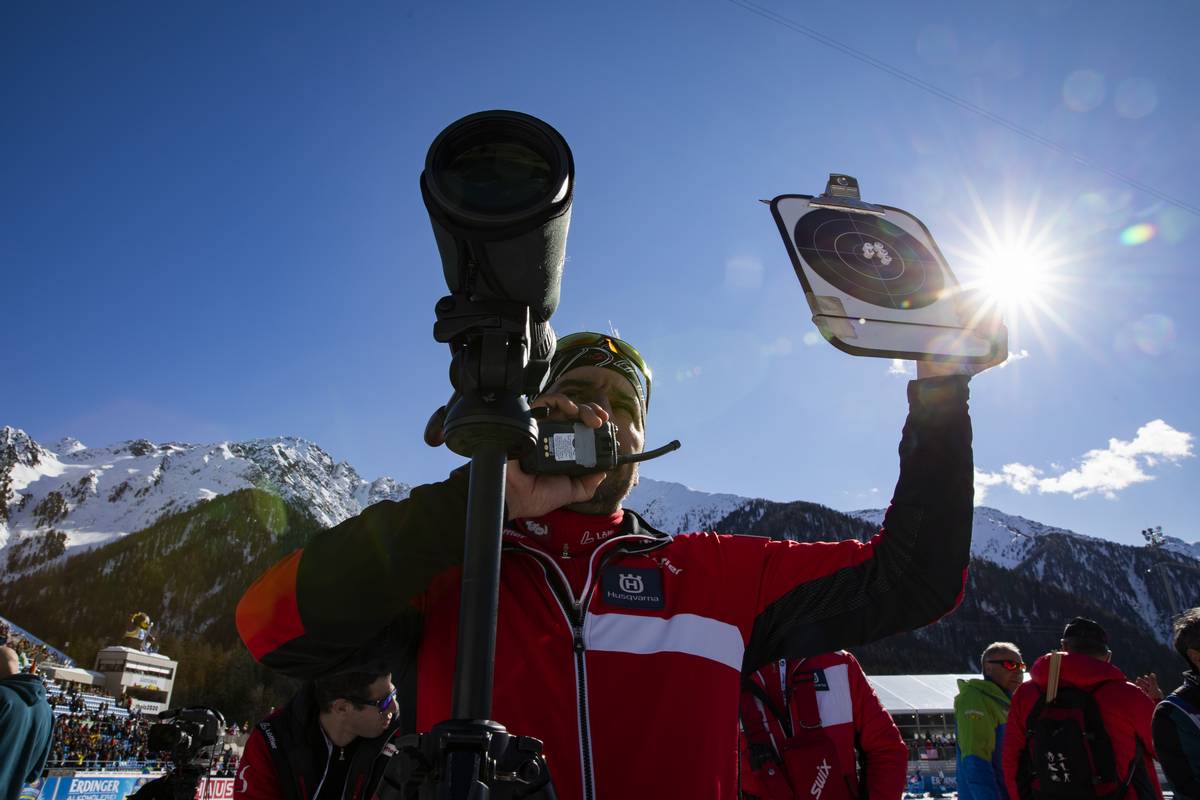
column 877, row 284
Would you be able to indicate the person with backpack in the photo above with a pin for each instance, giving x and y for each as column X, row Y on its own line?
column 980, row 712
column 805, row 725
column 1079, row 729
column 1176, row 725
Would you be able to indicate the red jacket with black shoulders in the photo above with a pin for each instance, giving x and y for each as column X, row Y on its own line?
column 618, row 646
column 850, row 717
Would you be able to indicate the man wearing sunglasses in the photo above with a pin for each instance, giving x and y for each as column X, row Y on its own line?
column 619, row 646
column 980, row 713
column 326, row 742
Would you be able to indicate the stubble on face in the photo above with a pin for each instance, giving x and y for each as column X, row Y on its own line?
column 617, row 485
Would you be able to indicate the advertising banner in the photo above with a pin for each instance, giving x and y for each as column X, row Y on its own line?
column 113, row 786
column 215, row 789
column 92, row 786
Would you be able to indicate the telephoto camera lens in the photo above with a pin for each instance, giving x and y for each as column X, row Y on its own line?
column 497, row 168
column 497, row 178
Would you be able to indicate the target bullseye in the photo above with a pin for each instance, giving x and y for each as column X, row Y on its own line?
column 869, row 258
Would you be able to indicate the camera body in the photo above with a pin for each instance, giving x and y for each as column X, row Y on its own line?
column 191, row 735
column 572, row 448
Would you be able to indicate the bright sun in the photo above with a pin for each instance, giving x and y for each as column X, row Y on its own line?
column 1013, row 275
column 1017, row 263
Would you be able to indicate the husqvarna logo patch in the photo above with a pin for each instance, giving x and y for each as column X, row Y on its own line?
column 633, row 587
column 633, row 584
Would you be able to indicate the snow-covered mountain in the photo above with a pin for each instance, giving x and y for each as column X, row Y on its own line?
column 1001, row 538
column 83, row 497
column 674, row 508
column 1136, row 583
column 95, row 495
column 69, row 498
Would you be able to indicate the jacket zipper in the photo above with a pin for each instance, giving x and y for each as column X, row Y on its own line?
column 585, row 723
column 576, row 613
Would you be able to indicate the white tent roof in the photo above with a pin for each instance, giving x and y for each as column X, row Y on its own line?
column 911, row 694
column 84, row 676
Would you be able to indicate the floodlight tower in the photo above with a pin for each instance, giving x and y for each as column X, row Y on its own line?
column 1154, row 542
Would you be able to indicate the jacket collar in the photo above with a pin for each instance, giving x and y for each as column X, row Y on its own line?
column 574, row 534
column 985, row 687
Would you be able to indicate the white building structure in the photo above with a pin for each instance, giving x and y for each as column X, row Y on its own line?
column 146, row 678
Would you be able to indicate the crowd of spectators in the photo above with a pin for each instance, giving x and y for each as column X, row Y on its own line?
column 934, row 747
column 99, row 739
column 111, row 736
column 30, row 653
column 94, row 739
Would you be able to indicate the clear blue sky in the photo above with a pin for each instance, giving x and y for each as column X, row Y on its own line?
column 210, row 227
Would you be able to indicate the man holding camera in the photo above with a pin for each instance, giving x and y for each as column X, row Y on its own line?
column 618, row 646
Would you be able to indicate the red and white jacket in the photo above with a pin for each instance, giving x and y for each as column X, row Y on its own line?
column 620, row 647
column 852, row 718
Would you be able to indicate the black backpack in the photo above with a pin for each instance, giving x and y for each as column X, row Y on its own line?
column 1068, row 754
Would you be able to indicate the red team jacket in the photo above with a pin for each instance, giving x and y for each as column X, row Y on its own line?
column 620, row 647
column 1127, row 713
column 851, row 717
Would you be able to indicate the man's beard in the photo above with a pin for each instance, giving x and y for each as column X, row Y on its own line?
column 615, row 488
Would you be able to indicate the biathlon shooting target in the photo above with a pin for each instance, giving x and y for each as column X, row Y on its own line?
column 876, row 282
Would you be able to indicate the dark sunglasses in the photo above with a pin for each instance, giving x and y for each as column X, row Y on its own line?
column 1008, row 664
column 612, row 343
column 380, row 705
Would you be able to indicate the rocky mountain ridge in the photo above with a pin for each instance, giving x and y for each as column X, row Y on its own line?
column 70, row 497
column 78, row 558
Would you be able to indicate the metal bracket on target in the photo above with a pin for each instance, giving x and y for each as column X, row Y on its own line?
column 841, row 192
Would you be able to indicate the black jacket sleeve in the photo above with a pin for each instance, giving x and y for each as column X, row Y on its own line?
column 913, row 571
column 1171, row 752
column 349, row 593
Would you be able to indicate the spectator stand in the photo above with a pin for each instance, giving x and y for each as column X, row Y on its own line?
column 923, row 709
column 31, row 647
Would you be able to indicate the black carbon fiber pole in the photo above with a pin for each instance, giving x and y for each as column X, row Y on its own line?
column 474, row 665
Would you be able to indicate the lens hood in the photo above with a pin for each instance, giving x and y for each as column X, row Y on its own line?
column 499, row 173
column 498, row 187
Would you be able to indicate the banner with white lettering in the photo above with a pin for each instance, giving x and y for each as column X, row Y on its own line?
column 114, row 786
column 94, row 785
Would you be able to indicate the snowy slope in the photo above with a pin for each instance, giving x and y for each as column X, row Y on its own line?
column 1003, row 539
column 674, row 508
column 70, row 497
column 95, row 495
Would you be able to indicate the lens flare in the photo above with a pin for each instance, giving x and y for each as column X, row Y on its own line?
column 1084, row 90
column 1154, row 333
column 1135, row 98
column 1018, row 263
column 1137, row 234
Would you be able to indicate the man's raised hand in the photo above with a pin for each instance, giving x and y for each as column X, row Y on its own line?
column 534, row 495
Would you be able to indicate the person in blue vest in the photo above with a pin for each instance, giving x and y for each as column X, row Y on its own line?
column 980, row 711
column 26, row 725
column 1176, row 726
